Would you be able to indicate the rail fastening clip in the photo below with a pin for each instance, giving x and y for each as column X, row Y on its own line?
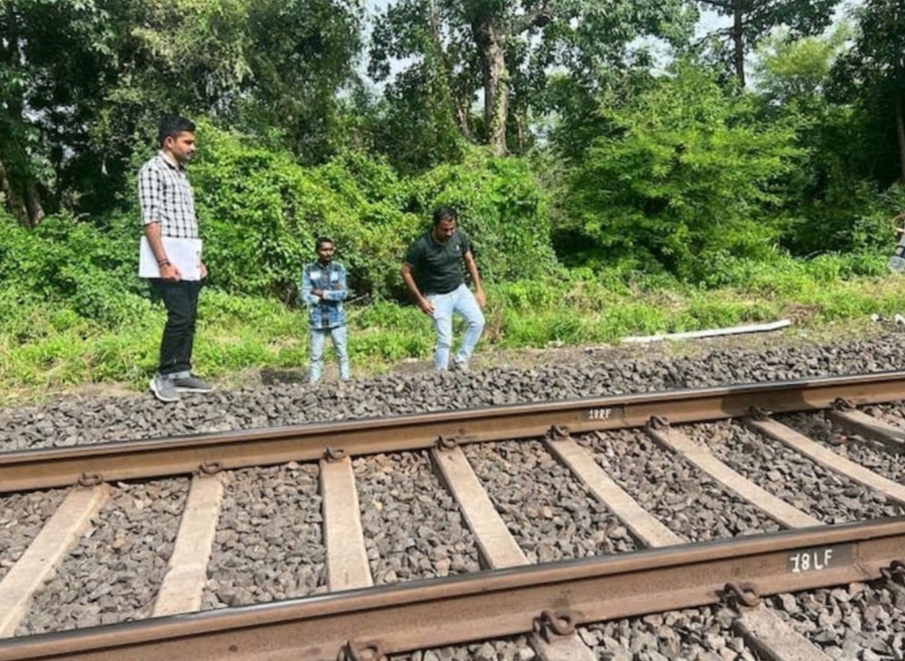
column 353, row 650
column 552, row 624
column 334, row 454
column 740, row 594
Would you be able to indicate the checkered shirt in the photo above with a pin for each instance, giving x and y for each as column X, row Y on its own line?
column 165, row 196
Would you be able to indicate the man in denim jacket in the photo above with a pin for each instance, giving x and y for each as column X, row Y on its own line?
column 323, row 291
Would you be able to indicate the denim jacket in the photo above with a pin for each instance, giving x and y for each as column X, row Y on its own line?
column 327, row 311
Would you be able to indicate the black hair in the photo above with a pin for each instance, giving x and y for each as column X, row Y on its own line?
column 321, row 240
column 444, row 213
column 171, row 126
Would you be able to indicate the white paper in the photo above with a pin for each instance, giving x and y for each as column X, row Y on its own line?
column 184, row 254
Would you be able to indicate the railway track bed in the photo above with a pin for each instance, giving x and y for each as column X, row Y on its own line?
column 535, row 530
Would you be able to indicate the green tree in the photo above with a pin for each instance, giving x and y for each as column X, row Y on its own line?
column 425, row 109
column 502, row 52
column 684, row 178
column 873, row 71
column 795, row 71
column 413, row 125
column 271, row 68
column 52, row 57
column 179, row 56
column 83, row 81
column 301, row 57
column 830, row 198
column 753, row 20
column 501, row 206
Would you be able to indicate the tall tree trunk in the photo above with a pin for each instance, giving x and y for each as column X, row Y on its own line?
column 521, row 127
column 459, row 108
column 738, row 41
column 463, row 121
column 21, row 192
column 9, row 192
column 23, row 197
column 900, row 132
column 496, row 85
column 14, row 201
column 491, row 33
column 34, row 205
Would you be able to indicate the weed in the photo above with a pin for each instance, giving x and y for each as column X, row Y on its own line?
column 46, row 347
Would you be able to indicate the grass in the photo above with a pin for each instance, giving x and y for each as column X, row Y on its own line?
column 47, row 349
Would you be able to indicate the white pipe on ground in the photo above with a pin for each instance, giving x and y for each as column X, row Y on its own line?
column 716, row 332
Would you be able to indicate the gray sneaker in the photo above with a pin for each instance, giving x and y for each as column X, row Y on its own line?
column 192, row 384
column 164, row 389
column 460, row 366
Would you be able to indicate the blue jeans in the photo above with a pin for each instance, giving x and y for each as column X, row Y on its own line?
column 338, row 335
column 462, row 302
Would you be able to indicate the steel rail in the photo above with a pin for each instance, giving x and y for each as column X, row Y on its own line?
column 498, row 603
column 210, row 453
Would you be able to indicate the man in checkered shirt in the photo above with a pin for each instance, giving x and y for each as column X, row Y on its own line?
column 168, row 210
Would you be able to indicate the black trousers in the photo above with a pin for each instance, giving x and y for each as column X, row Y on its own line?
column 181, row 301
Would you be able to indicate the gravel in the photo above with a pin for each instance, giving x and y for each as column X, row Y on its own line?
column 268, row 545
column 272, row 517
column 694, row 634
column 550, row 515
column 857, row 621
column 512, row 649
column 131, row 539
column 892, row 414
column 869, row 454
column 794, row 478
column 413, row 528
column 80, row 419
column 683, row 498
column 21, row 518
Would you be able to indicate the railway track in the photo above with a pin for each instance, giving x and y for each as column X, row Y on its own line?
column 345, row 615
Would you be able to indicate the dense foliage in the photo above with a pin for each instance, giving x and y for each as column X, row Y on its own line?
column 684, row 178
column 260, row 212
column 589, row 145
column 82, row 83
column 263, row 211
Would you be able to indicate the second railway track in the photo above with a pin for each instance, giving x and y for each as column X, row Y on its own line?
column 609, row 546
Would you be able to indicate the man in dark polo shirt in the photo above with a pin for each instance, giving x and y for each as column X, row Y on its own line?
column 433, row 274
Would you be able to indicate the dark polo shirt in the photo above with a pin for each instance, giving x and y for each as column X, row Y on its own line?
column 438, row 266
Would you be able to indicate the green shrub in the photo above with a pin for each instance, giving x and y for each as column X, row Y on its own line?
column 261, row 212
column 92, row 271
column 683, row 179
column 501, row 207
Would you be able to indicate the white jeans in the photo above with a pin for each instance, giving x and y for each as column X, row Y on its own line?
column 462, row 302
column 318, row 339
